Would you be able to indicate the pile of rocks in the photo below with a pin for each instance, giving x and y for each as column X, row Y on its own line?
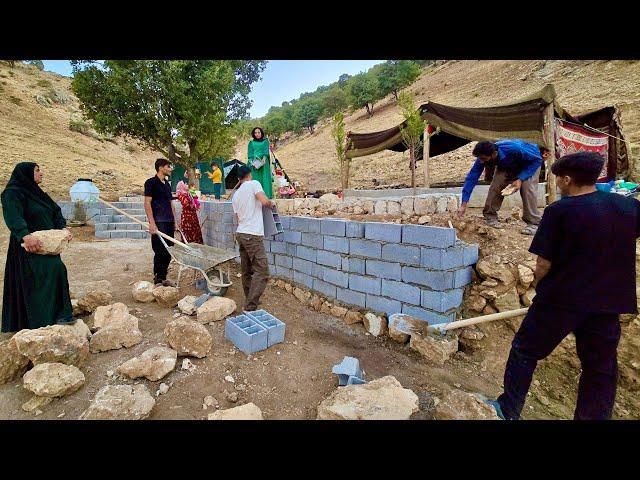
column 89, row 296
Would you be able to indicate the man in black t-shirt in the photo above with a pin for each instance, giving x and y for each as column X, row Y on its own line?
column 585, row 277
column 161, row 216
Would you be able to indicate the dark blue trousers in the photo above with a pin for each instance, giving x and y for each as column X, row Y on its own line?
column 543, row 328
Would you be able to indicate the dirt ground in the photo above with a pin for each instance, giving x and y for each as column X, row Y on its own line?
column 289, row 380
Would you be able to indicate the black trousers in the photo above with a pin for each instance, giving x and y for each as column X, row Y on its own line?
column 543, row 328
column 162, row 258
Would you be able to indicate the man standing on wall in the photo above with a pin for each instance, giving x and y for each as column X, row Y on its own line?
column 247, row 205
column 514, row 162
column 161, row 216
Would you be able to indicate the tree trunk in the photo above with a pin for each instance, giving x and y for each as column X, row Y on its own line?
column 412, row 160
column 344, row 170
column 369, row 110
column 395, row 94
column 191, row 172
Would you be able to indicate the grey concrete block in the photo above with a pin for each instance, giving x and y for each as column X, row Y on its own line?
column 336, row 277
column 336, row 244
column 353, row 265
column 290, row 249
column 329, row 259
column 276, row 247
column 434, row 280
column 317, row 270
column 441, row 301
column 438, row 237
column 462, row 277
column 304, row 266
column 274, row 326
column 386, row 232
column 303, row 279
column 470, row 255
column 306, row 253
column 405, row 254
column 304, row 224
column 267, row 245
column 284, row 261
column 284, row 272
column 270, row 258
column 324, row 288
column 351, row 297
column 355, row 229
column 334, row 227
column 246, row 334
column 349, row 367
column 363, row 284
column 365, row 248
column 286, row 221
column 383, row 305
column 312, row 240
column 392, row 271
column 403, row 292
column 442, row 259
column 432, row 317
column 291, row 236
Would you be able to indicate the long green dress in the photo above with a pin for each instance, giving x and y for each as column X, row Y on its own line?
column 36, row 288
column 260, row 149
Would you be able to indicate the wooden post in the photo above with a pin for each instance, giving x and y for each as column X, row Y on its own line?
column 425, row 154
column 549, row 138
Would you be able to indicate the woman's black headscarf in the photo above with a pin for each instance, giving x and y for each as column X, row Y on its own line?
column 253, row 134
column 22, row 181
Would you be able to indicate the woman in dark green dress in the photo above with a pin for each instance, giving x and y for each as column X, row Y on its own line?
column 36, row 289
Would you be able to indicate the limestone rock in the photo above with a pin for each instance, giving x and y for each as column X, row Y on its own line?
column 326, row 308
column 315, row 302
column 167, row 296
column 353, row 317
column 216, row 309
column 120, row 402
column 329, row 198
column 380, row 207
column 442, row 203
column 12, row 363
column 488, row 310
column 143, row 292
column 402, row 326
column 123, row 332
column 393, row 208
column 489, row 294
column 36, row 403
column 248, row 411
column 90, row 301
column 424, row 219
column 507, row 301
column 435, row 348
column 53, row 241
column 459, row 405
column 302, row 295
column 525, row 276
column 188, row 305
column 492, row 267
column 471, row 338
column 107, row 314
column 527, row 298
column 375, row 325
column 476, row 303
column 153, row 364
column 288, row 287
column 77, row 310
column 188, row 338
column 406, row 206
column 53, row 379
column 80, row 328
column 55, row 343
column 380, row 399
column 338, row 311
column 424, row 206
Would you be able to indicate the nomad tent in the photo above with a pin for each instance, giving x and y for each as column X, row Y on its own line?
column 537, row 118
column 230, row 172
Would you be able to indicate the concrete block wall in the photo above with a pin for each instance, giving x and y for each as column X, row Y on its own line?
column 218, row 226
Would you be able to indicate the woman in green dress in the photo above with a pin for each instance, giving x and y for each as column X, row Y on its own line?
column 258, row 155
column 36, row 288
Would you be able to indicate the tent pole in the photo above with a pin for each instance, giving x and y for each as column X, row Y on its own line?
column 425, row 154
column 549, row 137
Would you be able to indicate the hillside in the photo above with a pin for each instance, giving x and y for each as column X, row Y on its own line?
column 31, row 131
column 581, row 86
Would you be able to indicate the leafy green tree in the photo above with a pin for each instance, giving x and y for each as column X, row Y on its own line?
column 275, row 125
column 411, row 130
column 396, row 75
column 308, row 114
column 186, row 109
column 340, row 139
column 334, row 101
column 39, row 64
column 364, row 92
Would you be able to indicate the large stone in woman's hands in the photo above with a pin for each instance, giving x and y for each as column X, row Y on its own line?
column 53, row 241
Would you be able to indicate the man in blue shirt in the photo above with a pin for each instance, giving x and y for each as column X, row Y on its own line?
column 515, row 163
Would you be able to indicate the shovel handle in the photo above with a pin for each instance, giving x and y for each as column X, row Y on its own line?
column 481, row 319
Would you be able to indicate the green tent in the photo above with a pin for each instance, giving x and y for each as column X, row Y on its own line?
column 206, row 185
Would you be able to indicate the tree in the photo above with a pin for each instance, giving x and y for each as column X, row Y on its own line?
column 364, row 92
column 397, row 74
column 308, row 114
column 411, row 130
column 334, row 101
column 39, row 64
column 343, row 79
column 185, row 109
column 341, row 143
column 275, row 125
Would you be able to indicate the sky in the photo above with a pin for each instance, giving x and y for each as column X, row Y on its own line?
column 281, row 81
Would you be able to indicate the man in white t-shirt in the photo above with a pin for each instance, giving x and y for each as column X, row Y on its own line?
column 247, row 205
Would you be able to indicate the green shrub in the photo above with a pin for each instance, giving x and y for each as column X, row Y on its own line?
column 43, row 83
column 129, row 148
column 79, row 126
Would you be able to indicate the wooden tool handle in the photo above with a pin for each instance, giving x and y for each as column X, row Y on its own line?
column 474, row 320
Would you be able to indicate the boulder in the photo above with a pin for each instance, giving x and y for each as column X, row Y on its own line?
column 167, row 296
column 153, row 364
column 53, row 379
column 188, row 305
column 188, row 338
column 525, row 276
column 380, row 399
column 77, row 309
column 326, row 308
column 338, row 311
column 353, row 317
column 442, row 203
column 216, row 309
column 53, row 241
column 406, row 205
column 380, row 207
column 424, row 206
column 435, row 348
column 475, row 303
column 90, row 301
column 123, row 332
column 471, row 338
column 375, row 325
column 329, row 198
column 527, row 297
column 492, row 267
column 107, row 314
column 80, row 328
column 507, row 301
column 248, row 411
column 424, row 219
column 302, row 295
column 315, row 302
column 393, row 208
column 459, row 405
column 12, row 363
column 120, row 402
column 143, row 292
column 55, row 343
column 36, row 403
column 402, row 326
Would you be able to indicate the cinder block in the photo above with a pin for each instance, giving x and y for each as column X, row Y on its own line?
column 267, row 245
column 304, row 266
column 330, row 226
column 349, row 367
column 317, row 270
column 380, row 269
column 284, row 272
column 292, row 237
column 355, row 381
column 365, row 248
column 306, row 253
column 336, row 244
column 405, row 254
column 355, row 230
column 290, row 249
column 351, row 297
column 336, row 277
column 442, row 259
column 432, row 317
column 383, row 305
column 434, row 280
column 270, row 258
column 364, row 284
column 283, row 261
column 441, row 301
column 286, row 221
column 437, row 237
column 312, row 240
column 329, row 259
column 401, row 291
column 304, row 224
column 100, row 227
column 274, row 326
column 470, row 255
column 303, row 279
column 324, row 288
column 462, row 277
column 386, row 232
column 246, row 333
column 277, row 247
column 353, row 265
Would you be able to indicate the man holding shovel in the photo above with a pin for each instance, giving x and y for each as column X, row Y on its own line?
column 585, row 276
column 512, row 163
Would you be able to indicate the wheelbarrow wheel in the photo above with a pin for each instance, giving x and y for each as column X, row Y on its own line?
column 217, row 291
